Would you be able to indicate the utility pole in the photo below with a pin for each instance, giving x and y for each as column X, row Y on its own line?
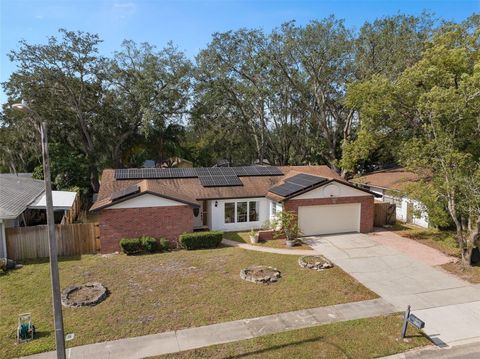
column 52, row 247
column 52, row 241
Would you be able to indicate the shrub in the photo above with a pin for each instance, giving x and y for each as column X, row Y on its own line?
column 131, row 245
column 200, row 240
column 149, row 244
column 164, row 245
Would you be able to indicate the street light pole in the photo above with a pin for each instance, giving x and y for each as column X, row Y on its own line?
column 52, row 242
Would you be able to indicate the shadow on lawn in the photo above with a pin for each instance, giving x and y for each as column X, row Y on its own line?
column 292, row 343
column 27, row 262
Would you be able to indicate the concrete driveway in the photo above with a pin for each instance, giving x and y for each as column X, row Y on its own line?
column 449, row 306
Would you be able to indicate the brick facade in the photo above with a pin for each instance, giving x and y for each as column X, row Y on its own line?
column 167, row 222
column 366, row 211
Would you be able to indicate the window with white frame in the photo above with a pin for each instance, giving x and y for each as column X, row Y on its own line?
column 241, row 212
column 230, row 212
column 274, row 209
column 253, row 211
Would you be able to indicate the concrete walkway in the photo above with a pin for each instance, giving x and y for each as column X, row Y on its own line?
column 295, row 252
column 467, row 351
column 191, row 338
column 449, row 306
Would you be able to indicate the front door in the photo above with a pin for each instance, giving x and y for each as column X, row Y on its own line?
column 198, row 216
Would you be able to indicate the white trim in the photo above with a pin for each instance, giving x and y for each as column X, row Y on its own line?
column 216, row 215
column 146, row 200
column 4, row 238
column 332, row 190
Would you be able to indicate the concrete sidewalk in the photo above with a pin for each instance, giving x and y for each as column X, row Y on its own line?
column 295, row 252
column 467, row 351
column 191, row 338
column 449, row 306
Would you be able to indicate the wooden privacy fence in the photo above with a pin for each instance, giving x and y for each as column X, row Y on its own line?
column 385, row 214
column 72, row 240
column 72, row 214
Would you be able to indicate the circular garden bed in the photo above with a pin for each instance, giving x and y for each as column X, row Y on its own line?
column 317, row 262
column 260, row 274
column 88, row 294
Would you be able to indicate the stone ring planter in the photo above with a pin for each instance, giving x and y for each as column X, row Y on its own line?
column 88, row 294
column 260, row 274
column 317, row 262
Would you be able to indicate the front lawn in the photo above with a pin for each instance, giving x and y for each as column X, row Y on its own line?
column 161, row 292
column 359, row 339
column 243, row 237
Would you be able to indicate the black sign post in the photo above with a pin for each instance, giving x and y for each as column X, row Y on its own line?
column 413, row 320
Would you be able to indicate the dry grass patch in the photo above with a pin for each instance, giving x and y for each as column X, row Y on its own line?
column 471, row 274
column 359, row 339
column 161, row 292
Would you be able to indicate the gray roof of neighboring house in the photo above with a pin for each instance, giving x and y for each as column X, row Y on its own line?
column 17, row 192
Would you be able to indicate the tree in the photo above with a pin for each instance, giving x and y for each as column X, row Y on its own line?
column 430, row 116
column 148, row 93
column 230, row 88
column 389, row 45
column 62, row 83
column 282, row 92
column 96, row 106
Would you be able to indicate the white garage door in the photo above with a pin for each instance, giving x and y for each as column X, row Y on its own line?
column 327, row 219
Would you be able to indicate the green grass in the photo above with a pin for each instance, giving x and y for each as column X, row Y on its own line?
column 161, row 292
column 359, row 339
column 243, row 237
column 444, row 241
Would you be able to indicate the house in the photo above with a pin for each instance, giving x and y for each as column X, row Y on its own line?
column 168, row 202
column 390, row 185
column 22, row 203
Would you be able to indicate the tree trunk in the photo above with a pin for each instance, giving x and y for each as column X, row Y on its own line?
column 94, row 182
column 471, row 243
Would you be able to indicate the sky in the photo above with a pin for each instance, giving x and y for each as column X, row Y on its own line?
column 188, row 23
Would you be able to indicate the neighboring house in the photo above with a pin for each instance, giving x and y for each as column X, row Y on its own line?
column 390, row 184
column 22, row 203
column 169, row 202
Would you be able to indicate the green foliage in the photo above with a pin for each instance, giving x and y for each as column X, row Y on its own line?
column 428, row 118
column 149, row 244
column 201, row 240
column 286, row 224
column 164, row 245
column 131, row 246
column 431, row 201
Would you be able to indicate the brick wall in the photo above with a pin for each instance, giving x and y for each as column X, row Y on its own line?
column 168, row 222
column 366, row 210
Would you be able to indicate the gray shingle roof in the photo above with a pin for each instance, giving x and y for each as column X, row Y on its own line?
column 16, row 193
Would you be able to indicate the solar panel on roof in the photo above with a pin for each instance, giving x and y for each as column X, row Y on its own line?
column 162, row 173
column 125, row 192
column 296, row 184
column 219, row 181
column 227, row 171
column 304, row 179
column 233, row 181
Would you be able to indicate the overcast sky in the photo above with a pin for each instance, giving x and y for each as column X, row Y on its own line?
column 188, row 23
